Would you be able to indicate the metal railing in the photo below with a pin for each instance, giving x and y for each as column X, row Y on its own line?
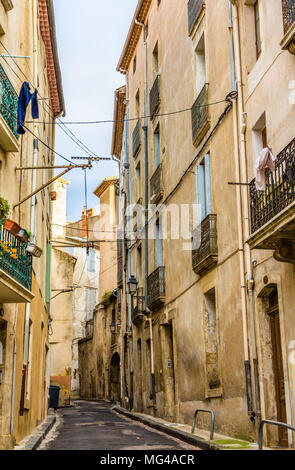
column 288, row 13
column 14, row 259
column 194, row 9
column 205, row 244
column 280, row 189
column 212, row 421
column 275, row 423
column 8, row 102
column 136, row 141
column 200, row 112
column 155, row 96
column 156, row 185
column 156, row 287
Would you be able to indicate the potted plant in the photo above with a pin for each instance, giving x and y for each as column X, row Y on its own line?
column 4, row 209
column 12, row 227
column 23, row 235
column 33, row 248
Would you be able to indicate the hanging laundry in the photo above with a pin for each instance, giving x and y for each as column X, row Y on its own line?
column 265, row 160
column 24, row 99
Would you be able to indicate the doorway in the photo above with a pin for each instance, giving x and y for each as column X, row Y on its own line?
column 274, row 316
column 115, row 378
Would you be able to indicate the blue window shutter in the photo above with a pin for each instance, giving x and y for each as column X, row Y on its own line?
column 208, row 185
column 159, row 246
column 91, row 261
column 201, row 199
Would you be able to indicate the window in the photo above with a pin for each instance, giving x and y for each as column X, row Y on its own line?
column 139, row 264
column 138, row 182
column 259, row 137
column 90, row 302
column 1, row 353
column 91, row 261
column 204, row 193
column 257, row 28
column 137, row 105
column 155, row 61
column 157, row 146
column 200, row 65
column 159, row 245
column 211, row 342
column 134, row 64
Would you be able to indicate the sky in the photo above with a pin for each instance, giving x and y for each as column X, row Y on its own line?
column 90, row 37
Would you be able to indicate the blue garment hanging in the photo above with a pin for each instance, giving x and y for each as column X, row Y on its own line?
column 24, row 99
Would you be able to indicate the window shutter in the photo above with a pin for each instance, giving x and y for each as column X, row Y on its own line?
column 208, row 185
column 201, row 198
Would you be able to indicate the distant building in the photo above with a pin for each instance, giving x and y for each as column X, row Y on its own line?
column 75, row 269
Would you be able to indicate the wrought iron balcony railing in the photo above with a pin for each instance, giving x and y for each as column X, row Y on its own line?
column 200, row 116
column 89, row 328
column 205, row 249
column 156, row 288
column 194, row 10
column 280, row 190
column 8, row 102
column 156, row 185
column 136, row 141
column 288, row 13
column 155, row 96
column 14, row 259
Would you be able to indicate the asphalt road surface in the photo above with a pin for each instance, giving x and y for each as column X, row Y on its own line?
column 94, row 426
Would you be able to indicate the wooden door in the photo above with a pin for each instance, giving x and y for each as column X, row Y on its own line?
column 279, row 374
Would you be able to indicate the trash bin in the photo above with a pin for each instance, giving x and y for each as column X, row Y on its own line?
column 53, row 396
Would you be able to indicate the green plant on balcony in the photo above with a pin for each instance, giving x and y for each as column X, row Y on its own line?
column 4, row 209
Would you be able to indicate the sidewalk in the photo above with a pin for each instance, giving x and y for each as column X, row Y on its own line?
column 183, row 431
column 32, row 441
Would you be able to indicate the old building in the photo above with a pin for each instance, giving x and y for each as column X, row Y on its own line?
column 208, row 86
column 101, row 350
column 74, row 286
column 28, row 54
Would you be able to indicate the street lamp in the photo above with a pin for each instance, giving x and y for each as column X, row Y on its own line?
column 132, row 286
column 113, row 327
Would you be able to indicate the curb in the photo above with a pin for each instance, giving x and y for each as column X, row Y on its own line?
column 182, row 435
column 33, row 441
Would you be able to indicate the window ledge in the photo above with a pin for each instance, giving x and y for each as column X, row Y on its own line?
column 288, row 41
column 214, row 393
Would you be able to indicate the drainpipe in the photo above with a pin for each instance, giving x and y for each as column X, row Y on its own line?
column 244, row 218
column 13, row 379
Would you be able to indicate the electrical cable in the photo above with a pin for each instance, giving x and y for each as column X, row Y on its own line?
column 61, row 124
column 109, row 121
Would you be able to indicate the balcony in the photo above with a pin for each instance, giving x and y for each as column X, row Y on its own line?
column 195, row 7
column 138, row 310
column 273, row 210
column 200, row 116
column 136, row 141
column 288, row 41
column 155, row 97
column 156, row 185
column 89, row 328
column 205, row 249
column 8, row 113
column 156, row 289
column 15, row 269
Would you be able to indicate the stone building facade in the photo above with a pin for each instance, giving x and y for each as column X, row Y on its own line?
column 208, row 86
column 100, row 351
column 27, row 31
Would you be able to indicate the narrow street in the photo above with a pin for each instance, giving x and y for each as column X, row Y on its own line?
column 94, row 426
